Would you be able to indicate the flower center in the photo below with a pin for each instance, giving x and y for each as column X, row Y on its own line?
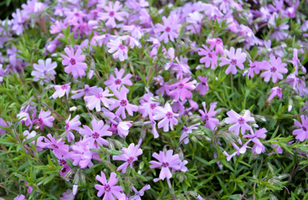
column 130, row 159
column 165, row 164
column 123, row 102
column 55, row 146
column 99, row 96
column 206, row 117
column 39, row 121
column 169, row 115
column 279, row 91
column 153, row 105
column 62, row 162
column 233, row 61
column 67, row 126
column 64, row 87
column 63, row 169
column 203, row 83
column 107, row 188
column 181, row 85
column 73, row 61
column 273, row 69
column 210, row 55
column 218, row 41
column 118, row 82
column 241, row 120
column 111, row 13
column 95, row 135
column 121, row 46
column 304, row 128
column 168, row 29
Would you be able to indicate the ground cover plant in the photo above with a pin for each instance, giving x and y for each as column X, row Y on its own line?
column 154, row 99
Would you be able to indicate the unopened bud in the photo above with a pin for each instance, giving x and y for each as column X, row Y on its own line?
column 180, row 177
column 74, row 108
column 75, row 188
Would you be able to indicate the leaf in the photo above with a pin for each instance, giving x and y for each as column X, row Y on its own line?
column 31, row 139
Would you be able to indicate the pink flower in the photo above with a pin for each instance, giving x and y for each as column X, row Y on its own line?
column 111, row 14
column 121, row 128
column 185, row 132
column 94, row 137
column 210, row 58
column 235, row 59
column 72, row 125
column 202, row 87
column 115, row 83
column 275, row 91
column 147, row 106
column 122, row 104
column 169, row 29
column 17, row 22
column 166, row 161
column 87, row 91
column 4, row 124
column 44, row 119
column 68, row 195
column 44, row 71
column 61, row 90
column 58, row 147
column 75, row 64
column 238, row 151
column 82, row 155
column 167, row 115
column 240, row 121
column 109, row 187
column 129, row 155
column 20, row 197
column 302, row 133
column 195, row 21
column 139, row 193
column 217, row 44
column 208, row 116
column 258, row 147
column 182, row 89
column 118, row 49
column 94, row 101
column 253, row 69
column 274, row 69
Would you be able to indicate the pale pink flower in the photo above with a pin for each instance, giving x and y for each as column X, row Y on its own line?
column 94, row 101
column 74, row 62
column 240, row 121
column 118, row 49
column 275, row 91
column 302, row 132
column 274, row 69
column 167, row 116
column 112, row 13
column 235, row 59
column 61, row 90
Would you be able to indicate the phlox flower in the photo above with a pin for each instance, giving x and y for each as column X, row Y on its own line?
column 94, row 137
column 208, row 116
column 129, row 155
column 240, row 121
column 258, row 146
column 238, row 151
column 115, row 83
column 24, row 117
column 202, row 87
column 111, row 14
column 235, row 59
column 94, row 101
column 61, row 90
column 17, row 22
column 87, row 91
column 182, row 89
column 217, row 44
column 253, row 69
column 153, row 125
column 4, row 124
column 68, row 195
column 109, row 188
column 58, row 147
column 118, row 49
column 20, row 197
column 210, row 58
column 185, row 132
column 275, row 91
column 147, row 106
column 44, row 119
column 121, row 128
column 273, row 69
column 72, row 125
column 169, row 29
column 44, row 71
column 195, row 20
column 135, row 30
column 166, row 162
column 82, row 155
column 167, row 116
column 74, row 62
column 302, row 132
column 140, row 193
column 122, row 104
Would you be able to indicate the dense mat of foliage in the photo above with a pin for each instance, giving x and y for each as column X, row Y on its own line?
column 153, row 100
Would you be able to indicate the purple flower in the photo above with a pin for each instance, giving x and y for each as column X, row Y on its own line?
column 68, row 195
column 87, row 91
column 82, row 155
column 61, row 90
column 74, row 62
column 44, row 119
column 115, row 83
column 240, row 121
column 122, row 104
column 118, row 49
column 238, row 151
column 121, row 128
column 147, row 106
column 274, row 69
column 112, row 13
column 195, row 20
column 185, row 132
column 169, row 29
column 94, row 137
column 182, row 89
column 44, row 71
column 210, row 58
column 166, row 161
column 17, row 22
column 258, row 147
column 129, row 155
column 202, row 87
column 235, row 59
column 275, row 91
column 94, row 101
column 139, row 193
column 253, row 69
column 167, row 116
column 4, row 124
column 72, row 125
column 20, row 197
column 109, row 187
column 302, row 132
column 217, row 44
column 58, row 147
column 208, row 116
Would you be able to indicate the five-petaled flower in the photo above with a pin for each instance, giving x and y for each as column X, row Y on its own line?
column 167, row 116
column 74, row 62
column 302, row 132
column 240, row 121
column 109, row 188
column 235, row 59
column 273, row 69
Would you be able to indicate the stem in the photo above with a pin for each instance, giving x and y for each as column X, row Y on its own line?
column 52, row 110
column 8, row 189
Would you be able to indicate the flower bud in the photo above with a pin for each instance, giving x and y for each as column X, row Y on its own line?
column 75, row 188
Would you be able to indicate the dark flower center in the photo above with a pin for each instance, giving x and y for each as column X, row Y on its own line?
column 67, row 126
column 241, row 120
column 99, row 96
column 62, row 162
column 63, row 170
column 123, row 102
column 118, row 82
column 169, row 115
column 165, row 164
column 168, row 29
column 39, row 121
column 181, row 85
column 153, row 105
column 218, row 41
column 130, row 159
column 210, row 55
column 95, row 135
column 206, row 117
column 203, row 83
column 273, row 69
column 55, row 146
column 73, row 61
column 233, row 61
column 304, row 128
column 107, row 188
column 111, row 13
column 121, row 46
column 64, row 87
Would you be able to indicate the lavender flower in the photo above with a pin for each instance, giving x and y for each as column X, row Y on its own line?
column 109, row 188
column 74, row 62
column 44, row 71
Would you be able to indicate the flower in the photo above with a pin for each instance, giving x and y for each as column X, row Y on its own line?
column 258, row 147
column 195, row 20
column 202, row 87
column 4, row 124
column 44, row 71
column 207, row 116
column 275, row 91
column 17, row 22
column 130, row 155
column 140, row 193
column 166, row 161
column 185, row 132
column 58, row 147
column 93, row 138
column 274, row 69
column 112, row 13
column 253, row 69
column 210, row 58
column 68, row 195
column 167, row 115
column 61, row 90
column 240, row 121
column 118, row 49
column 121, row 128
column 109, row 187
column 44, row 118
column 217, row 44
column 94, row 101
column 82, row 155
column 235, row 59
column 182, row 89
column 20, row 197
column 74, row 62
column 123, row 104
column 302, row 133
column 72, row 125
column 147, row 106
column 238, row 151
column 115, row 83
column 169, row 29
